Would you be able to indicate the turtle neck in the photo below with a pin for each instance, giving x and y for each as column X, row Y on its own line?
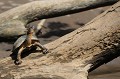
column 29, row 40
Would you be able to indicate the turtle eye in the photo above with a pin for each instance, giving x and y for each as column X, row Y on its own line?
column 33, row 27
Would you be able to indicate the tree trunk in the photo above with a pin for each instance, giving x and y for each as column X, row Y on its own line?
column 73, row 55
column 19, row 17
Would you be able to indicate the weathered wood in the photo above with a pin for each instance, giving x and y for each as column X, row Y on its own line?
column 20, row 16
column 74, row 54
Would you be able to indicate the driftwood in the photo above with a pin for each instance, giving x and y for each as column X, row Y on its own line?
column 13, row 22
column 73, row 55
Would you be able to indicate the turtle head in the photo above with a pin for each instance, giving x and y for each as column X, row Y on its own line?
column 31, row 30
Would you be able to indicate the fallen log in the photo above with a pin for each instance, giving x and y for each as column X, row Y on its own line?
column 74, row 55
column 13, row 22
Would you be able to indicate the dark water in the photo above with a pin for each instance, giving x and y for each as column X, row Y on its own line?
column 57, row 27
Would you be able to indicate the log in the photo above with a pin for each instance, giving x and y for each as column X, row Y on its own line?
column 74, row 55
column 19, row 17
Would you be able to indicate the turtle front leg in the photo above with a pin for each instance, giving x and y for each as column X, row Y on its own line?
column 44, row 50
column 19, row 61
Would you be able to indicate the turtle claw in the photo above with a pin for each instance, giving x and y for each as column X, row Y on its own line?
column 18, row 62
column 45, row 51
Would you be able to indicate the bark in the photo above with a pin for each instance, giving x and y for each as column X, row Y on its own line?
column 19, row 17
column 73, row 55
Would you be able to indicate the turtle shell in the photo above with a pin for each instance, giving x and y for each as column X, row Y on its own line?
column 20, row 41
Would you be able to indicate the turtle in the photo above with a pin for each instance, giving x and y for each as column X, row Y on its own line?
column 27, row 42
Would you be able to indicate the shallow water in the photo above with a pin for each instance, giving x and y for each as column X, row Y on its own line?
column 110, row 70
